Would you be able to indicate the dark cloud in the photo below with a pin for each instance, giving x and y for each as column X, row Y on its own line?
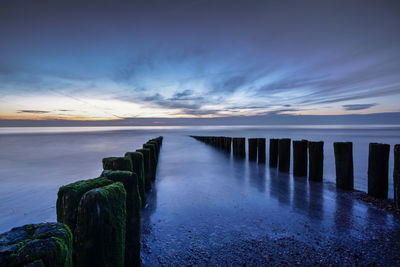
column 186, row 95
column 358, row 106
column 199, row 112
column 33, row 111
column 160, row 101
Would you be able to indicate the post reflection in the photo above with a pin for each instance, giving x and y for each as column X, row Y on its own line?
column 257, row 176
column 280, row 186
column 343, row 212
column 300, row 195
column 316, row 200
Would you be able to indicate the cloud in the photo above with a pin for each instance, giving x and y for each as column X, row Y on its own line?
column 161, row 101
column 186, row 95
column 358, row 106
column 33, row 111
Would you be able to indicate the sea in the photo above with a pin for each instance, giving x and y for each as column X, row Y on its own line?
column 36, row 161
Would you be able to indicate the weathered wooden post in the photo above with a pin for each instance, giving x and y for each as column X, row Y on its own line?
column 133, row 213
column 300, row 158
column 378, row 170
column 344, row 165
column 236, row 146
column 137, row 159
column 147, row 167
column 239, row 147
column 117, row 164
column 252, row 149
column 284, row 154
column 242, row 147
column 101, row 226
column 316, row 161
column 396, row 175
column 43, row 244
column 261, row 150
column 273, row 152
column 69, row 197
column 153, row 159
column 228, row 144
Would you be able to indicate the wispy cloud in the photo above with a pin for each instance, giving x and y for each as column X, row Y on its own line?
column 358, row 106
column 33, row 111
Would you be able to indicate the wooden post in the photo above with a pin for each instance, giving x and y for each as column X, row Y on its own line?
column 252, row 149
column 300, row 158
column 284, row 154
column 228, row 144
column 344, row 165
column 273, row 153
column 261, row 150
column 242, row 147
column 316, row 160
column 378, row 170
column 396, row 175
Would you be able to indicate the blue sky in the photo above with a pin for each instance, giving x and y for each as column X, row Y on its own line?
column 171, row 59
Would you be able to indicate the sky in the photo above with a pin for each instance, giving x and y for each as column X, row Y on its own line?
column 126, row 60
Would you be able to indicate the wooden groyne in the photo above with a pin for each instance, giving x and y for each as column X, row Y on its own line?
column 98, row 219
column 308, row 160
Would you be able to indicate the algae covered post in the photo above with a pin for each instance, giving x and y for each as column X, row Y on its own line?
column 316, row 160
column 147, row 167
column 378, row 170
column 138, row 167
column 344, row 165
column 117, row 163
column 273, row 152
column 133, row 213
column 300, row 158
column 70, row 195
column 43, row 244
column 100, row 229
column 284, row 154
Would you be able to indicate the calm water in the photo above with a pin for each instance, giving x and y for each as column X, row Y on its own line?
column 35, row 162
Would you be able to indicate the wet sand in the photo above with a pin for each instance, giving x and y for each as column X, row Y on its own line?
column 207, row 208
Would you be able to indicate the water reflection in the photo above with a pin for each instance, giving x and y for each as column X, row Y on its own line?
column 300, row 194
column 257, row 176
column 343, row 212
column 280, row 186
column 316, row 200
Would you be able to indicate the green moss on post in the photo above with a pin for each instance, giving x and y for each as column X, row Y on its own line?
column 133, row 213
column 316, row 160
column 300, row 158
column 117, row 164
column 396, row 176
column 147, row 167
column 138, row 167
column 100, row 230
column 252, row 149
column 157, row 148
column 49, row 244
column 344, row 165
column 284, row 154
column 273, row 153
column 153, row 160
column 70, row 195
column 378, row 170
column 261, row 150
